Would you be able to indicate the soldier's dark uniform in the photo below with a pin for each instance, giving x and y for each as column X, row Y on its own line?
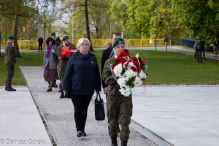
column 62, row 64
column 119, row 107
column 10, row 60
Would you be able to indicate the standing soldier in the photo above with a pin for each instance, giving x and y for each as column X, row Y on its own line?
column 40, row 42
column 56, row 43
column 10, row 60
column 63, row 62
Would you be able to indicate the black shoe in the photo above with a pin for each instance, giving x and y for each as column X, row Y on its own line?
column 124, row 143
column 79, row 134
column 62, row 95
column 49, row 90
column 54, row 84
column 6, row 87
column 118, row 129
column 114, row 141
column 10, row 89
column 83, row 133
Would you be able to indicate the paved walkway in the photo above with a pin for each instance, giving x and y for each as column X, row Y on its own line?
column 183, row 116
column 59, row 116
column 176, row 49
column 20, row 122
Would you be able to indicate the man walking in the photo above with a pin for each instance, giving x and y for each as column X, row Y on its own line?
column 10, row 60
column 106, row 55
column 40, row 42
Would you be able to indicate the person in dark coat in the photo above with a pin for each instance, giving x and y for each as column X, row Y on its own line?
column 58, row 39
column 215, row 47
column 106, row 55
column 40, row 42
column 202, row 46
column 56, row 43
column 81, row 78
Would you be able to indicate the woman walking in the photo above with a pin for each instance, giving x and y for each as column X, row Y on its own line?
column 49, row 63
column 81, row 78
column 215, row 47
column 119, row 107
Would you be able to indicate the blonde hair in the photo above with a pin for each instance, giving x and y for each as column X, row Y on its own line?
column 109, row 44
column 80, row 41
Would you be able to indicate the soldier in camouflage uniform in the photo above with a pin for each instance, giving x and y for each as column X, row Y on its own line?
column 63, row 62
column 56, row 43
column 119, row 107
column 10, row 60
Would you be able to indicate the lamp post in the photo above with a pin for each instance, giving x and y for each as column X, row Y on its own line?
column 44, row 25
column 156, row 31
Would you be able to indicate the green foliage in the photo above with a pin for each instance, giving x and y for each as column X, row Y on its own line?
column 199, row 16
column 130, row 82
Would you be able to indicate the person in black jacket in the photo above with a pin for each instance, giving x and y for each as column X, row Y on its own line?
column 215, row 47
column 40, row 42
column 106, row 55
column 81, row 78
column 202, row 46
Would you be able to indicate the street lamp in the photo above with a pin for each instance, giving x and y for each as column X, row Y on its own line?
column 156, row 30
column 44, row 25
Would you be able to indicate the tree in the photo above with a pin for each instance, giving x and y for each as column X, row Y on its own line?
column 201, row 17
column 139, row 16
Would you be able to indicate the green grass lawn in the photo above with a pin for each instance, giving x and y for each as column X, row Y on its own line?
column 163, row 68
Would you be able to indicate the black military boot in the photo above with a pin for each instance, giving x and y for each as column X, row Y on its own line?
column 6, row 87
column 114, row 141
column 54, row 84
column 62, row 95
column 124, row 143
column 10, row 89
column 118, row 129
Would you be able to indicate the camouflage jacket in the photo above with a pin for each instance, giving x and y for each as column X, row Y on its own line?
column 60, row 48
column 10, row 54
column 113, row 87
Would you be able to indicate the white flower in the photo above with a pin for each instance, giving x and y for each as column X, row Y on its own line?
column 125, row 92
column 137, row 81
column 131, row 64
column 142, row 75
column 118, row 70
column 122, row 81
column 130, row 73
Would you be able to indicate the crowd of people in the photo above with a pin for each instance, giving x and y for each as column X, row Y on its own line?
column 79, row 77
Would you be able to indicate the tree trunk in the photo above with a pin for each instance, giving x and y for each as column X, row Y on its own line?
column 87, row 25
column 16, row 35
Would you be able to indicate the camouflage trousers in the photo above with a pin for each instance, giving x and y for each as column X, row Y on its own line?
column 62, row 66
column 10, row 73
column 119, row 109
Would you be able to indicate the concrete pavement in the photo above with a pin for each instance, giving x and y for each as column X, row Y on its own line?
column 20, row 122
column 182, row 115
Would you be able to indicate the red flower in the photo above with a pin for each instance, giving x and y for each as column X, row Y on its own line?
column 143, row 62
column 136, row 63
column 123, row 54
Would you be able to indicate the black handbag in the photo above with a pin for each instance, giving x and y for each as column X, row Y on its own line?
column 55, row 57
column 99, row 108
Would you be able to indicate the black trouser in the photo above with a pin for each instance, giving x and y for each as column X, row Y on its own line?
column 81, row 103
column 40, row 48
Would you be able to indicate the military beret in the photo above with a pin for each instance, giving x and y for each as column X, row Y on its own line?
column 65, row 38
column 53, row 34
column 119, row 41
column 11, row 37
